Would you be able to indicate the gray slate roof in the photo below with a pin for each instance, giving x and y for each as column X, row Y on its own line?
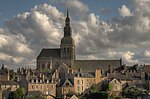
column 83, row 74
column 54, row 53
column 92, row 65
column 8, row 83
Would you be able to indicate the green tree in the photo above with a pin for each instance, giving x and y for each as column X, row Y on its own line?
column 35, row 97
column 94, row 89
column 110, row 86
column 131, row 92
column 98, row 95
column 18, row 94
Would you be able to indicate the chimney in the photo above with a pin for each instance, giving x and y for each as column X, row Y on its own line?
column 51, row 64
column 8, row 75
column 43, row 77
column 97, row 76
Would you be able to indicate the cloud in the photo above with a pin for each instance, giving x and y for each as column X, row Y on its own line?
column 76, row 6
column 124, row 11
column 27, row 33
column 147, row 53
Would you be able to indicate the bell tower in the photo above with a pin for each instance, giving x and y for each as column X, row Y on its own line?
column 67, row 44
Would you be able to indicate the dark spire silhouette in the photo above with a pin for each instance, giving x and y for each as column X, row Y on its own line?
column 67, row 28
column 67, row 13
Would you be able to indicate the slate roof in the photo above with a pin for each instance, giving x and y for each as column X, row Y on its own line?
column 83, row 74
column 54, row 53
column 8, row 83
column 92, row 65
column 62, row 81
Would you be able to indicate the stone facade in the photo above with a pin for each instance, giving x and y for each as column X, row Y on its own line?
column 116, row 85
column 6, row 87
column 84, row 81
column 65, row 87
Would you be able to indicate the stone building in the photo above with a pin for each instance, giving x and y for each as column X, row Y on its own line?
column 49, row 58
column 37, row 84
column 116, row 85
column 83, row 81
column 6, row 87
column 65, row 87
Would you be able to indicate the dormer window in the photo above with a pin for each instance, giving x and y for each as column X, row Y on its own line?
column 67, row 84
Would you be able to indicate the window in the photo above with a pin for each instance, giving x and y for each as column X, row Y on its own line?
column 36, row 87
column 67, row 84
column 78, row 81
column 67, row 50
column 82, row 88
column 43, row 66
column 116, row 88
column 78, row 88
column 32, row 87
column 64, row 50
column 82, row 81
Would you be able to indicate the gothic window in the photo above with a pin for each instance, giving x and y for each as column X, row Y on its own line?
column 64, row 50
column 48, row 66
column 43, row 66
column 68, row 50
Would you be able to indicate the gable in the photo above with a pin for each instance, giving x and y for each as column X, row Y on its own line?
column 68, row 83
column 115, row 81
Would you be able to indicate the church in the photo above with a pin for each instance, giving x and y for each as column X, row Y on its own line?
column 66, row 54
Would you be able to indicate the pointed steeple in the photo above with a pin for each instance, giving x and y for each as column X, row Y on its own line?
column 67, row 28
column 67, row 13
column 67, row 18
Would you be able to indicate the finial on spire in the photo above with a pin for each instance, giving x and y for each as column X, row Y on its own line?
column 67, row 13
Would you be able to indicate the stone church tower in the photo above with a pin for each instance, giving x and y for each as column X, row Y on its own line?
column 67, row 46
column 50, row 58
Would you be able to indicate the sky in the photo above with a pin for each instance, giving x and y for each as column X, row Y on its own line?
column 102, row 29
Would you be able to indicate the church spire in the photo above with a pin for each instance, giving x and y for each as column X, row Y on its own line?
column 67, row 13
column 67, row 28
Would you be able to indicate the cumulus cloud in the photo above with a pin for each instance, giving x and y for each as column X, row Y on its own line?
column 124, row 11
column 76, row 6
column 26, row 34
column 147, row 53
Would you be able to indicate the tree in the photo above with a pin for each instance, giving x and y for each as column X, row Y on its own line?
column 35, row 97
column 99, row 95
column 18, row 94
column 132, row 92
column 104, row 87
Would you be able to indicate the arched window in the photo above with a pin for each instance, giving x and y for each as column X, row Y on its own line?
column 68, row 50
column 64, row 50
column 48, row 66
column 43, row 66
